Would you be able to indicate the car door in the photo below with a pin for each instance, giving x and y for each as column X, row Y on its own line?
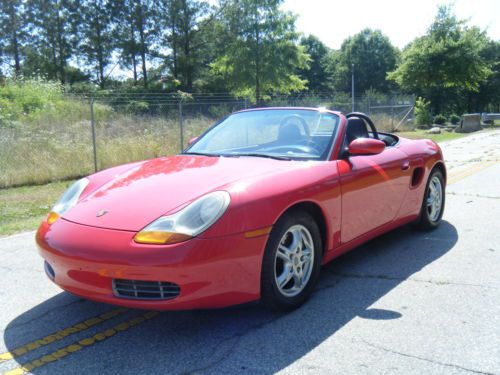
column 373, row 188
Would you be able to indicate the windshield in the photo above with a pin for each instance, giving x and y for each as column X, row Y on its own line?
column 298, row 134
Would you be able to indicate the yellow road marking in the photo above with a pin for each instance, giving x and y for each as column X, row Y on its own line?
column 470, row 171
column 59, row 335
column 79, row 345
column 465, row 171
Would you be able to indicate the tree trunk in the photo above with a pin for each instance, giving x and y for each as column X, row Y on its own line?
column 143, row 58
column 15, row 40
column 188, row 73
column 134, row 64
column 173, row 30
column 53, row 73
column 257, row 63
column 174, row 57
column 470, row 105
column 17, row 59
column 60, row 42
column 142, row 46
column 132, row 54
column 100, row 55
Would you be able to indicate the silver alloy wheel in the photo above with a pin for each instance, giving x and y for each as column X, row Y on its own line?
column 294, row 260
column 434, row 198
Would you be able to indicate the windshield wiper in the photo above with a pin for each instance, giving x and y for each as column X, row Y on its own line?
column 277, row 157
column 199, row 153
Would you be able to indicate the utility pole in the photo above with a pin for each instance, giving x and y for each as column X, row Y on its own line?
column 352, row 87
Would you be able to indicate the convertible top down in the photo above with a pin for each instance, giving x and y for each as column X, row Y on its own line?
column 249, row 211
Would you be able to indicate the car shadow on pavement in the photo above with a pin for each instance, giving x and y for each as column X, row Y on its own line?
column 239, row 339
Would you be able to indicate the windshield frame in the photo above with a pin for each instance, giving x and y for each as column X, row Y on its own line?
column 325, row 157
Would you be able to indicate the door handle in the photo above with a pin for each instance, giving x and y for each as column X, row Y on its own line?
column 405, row 165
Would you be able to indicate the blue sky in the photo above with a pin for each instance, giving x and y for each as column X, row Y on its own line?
column 333, row 21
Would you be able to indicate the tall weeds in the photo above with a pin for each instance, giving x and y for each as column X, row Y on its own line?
column 46, row 135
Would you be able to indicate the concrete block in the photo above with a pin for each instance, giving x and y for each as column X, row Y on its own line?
column 471, row 122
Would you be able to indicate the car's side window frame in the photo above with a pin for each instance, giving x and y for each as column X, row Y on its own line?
column 335, row 139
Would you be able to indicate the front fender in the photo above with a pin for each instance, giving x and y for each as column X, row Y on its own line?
column 261, row 202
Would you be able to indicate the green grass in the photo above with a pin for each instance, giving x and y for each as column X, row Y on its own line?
column 421, row 134
column 23, row 208
column 45, row 134
column 58, row 149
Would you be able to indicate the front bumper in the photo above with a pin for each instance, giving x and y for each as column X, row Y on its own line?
column 211, row 272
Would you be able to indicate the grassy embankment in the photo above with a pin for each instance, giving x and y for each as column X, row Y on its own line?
column 443, row 137
column 23, row 208
column 45, row 136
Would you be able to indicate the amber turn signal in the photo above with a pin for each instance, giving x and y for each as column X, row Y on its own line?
column 160, row 238
column 52, row 217
column 258, row 232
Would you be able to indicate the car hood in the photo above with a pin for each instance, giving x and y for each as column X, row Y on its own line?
column 135, row 198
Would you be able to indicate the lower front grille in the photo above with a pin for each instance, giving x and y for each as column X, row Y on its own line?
column 145, row 290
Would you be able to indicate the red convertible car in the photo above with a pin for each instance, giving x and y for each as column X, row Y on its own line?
column 249, row 211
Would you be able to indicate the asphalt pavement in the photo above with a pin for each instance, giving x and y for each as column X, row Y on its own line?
column 408, row 302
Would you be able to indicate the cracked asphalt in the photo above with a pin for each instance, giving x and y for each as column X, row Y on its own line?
column 408, row 302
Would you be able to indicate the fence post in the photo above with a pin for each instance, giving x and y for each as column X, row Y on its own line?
column 392, row 113
column 413, row 100
column 181, row 124
column 353, row 104
column 92, row 123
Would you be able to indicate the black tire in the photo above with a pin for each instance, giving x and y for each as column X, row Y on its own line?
column 424, row 220
column 271, row 296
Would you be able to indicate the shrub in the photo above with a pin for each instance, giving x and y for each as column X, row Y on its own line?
column 135, row 106
column 20, row 100
column 455, row 119
column 422, row 112
column 440, row 119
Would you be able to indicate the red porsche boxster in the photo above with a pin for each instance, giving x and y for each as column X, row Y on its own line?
column 249, row 211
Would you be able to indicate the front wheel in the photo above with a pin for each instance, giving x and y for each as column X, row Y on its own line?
column 433, row 203
column 292, row 262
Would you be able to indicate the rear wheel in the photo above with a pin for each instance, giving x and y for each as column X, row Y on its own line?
column 433, row 203
column 292, row 262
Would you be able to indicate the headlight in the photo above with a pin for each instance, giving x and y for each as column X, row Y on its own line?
column 188, row 222
column 67, row 200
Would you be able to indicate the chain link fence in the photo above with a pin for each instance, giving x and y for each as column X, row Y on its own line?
column 87, row 133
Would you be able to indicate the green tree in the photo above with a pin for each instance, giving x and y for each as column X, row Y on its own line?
column 53, row 36
column 261, row 55
column 445, row 64
column 136, row 34
column 13, row 33
column 371, row 55
column 185, row 24
column 95, row 36
column 316, row 73
column 144, row 20
column 124, row 36
column 488, row 97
